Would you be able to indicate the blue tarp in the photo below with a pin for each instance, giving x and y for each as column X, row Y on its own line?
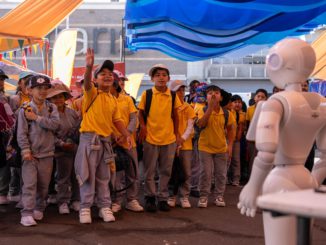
column 200, row 29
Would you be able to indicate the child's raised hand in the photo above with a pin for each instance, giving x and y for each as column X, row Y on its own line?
column 212, row 103
column 90, row 57
column 30, row 115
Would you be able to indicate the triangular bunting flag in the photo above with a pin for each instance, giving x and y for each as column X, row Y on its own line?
column 15, row 54
column 30, row 50
column 41, row 44
column 10, row 43
column 24, row 60
column 0, row 56
column 5, row 55
column 10, row 55
column 21, row 43
column 35, row 48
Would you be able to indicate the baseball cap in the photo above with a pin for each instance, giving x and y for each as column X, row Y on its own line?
column 25, row 74
column 176, row 84
column 158, row 66
column 120, row 75
column 58, row 87
column 39, row 80
column 3, row 74
column 108, row 64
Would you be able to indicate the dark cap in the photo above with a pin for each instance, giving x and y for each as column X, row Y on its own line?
column 39, row 80
column 3, row 74
column 108, row 64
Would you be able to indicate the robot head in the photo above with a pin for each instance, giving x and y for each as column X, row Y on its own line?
column 290, row 61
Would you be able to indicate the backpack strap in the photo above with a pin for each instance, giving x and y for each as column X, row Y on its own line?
column 92, row 101
column 226, row 117
column 148, row 102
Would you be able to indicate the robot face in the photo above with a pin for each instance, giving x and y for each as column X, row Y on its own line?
column 290, row 61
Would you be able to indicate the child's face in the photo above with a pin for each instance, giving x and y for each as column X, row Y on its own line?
column 39, row 93
column 23, row 86
column 181, row 92
column 305, row 86
column 122, row 84
column 104, row 79
column 215, row 93
column 260, row 96
column 58, row 100
column 160, row 78
column 237, row 105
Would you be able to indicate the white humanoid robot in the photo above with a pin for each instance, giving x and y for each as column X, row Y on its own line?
column 285, row 128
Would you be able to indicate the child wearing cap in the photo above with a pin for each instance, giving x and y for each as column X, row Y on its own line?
column 186, row 115
column 37, row 122
column 234, row 168
column 66, row 145
column 130, row 175
column 159, row 133
column 214, row 147
column 94, row 155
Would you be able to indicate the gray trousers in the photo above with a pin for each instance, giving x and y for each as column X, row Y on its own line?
column 129, row 175
column 67, row 186
column 235, row 163
column 99, row 175
column 160, row 156
column 185, row 158
column 207, row 162
column 195, row 166
column 36, row 177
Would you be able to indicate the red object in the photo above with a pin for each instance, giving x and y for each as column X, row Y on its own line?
column 24, row 60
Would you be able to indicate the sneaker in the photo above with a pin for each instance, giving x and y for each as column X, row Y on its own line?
column 150, row 204
column 52, row 199
column 75, row 205
column 163, row 206
column 172, row 201
column 3, row 200
column 106, row 214
column 195, row 193
column 185, row 202
column 202, row 203
column 134, row 206
column 64, row 209
column 116, row 207
column 27, row 221
column 38, row 215
column 219, row 201
column 13, row 198
column 85, row 216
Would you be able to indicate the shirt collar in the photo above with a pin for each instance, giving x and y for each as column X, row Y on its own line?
column 167, row 91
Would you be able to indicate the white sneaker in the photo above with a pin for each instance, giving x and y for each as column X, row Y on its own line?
column 38, row 215
column 116, row 207
column 13, row 198
column 52, row 199
column 185, row 202
column 219, row 201
column 172, row 201
column 27, row 221
column 85, row 216
column 64, row 209
column 106, row 214
column 202, row 203
column 134, row 206
column 75, row 205
column 3, row 200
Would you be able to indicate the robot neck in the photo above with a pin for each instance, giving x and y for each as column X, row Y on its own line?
column 293, row 87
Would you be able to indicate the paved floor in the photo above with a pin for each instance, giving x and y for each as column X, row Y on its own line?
column 212, row 225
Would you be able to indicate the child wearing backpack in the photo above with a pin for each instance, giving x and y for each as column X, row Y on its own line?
column 214, row 146
column 37, row 122
column 159, row 132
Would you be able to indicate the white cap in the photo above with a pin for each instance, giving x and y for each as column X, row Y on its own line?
column 158, row 66
column 175, row 85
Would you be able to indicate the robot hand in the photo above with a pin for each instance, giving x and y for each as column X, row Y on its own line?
column 247, row 200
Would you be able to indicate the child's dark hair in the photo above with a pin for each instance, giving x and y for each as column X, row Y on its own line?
column 261, row 90
column 236, row 97
column 160, row 69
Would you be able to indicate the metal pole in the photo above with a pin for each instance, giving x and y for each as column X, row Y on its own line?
column 303, row 231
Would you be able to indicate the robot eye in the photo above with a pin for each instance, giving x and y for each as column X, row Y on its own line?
column 274, row 61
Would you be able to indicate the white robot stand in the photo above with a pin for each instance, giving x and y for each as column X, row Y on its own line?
column 285, row 128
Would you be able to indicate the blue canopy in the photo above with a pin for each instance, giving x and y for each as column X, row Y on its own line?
column 200, row 29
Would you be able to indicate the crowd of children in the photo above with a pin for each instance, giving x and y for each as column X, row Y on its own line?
column 91, row 145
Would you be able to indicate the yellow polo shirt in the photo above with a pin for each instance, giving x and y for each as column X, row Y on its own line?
column 160, row 128
column 212, row 138
column 242, row 118
column 198, row 107
column 24, row 98
column 126, row 106
column 250, row 113
column 101, row 114
column 185, row 112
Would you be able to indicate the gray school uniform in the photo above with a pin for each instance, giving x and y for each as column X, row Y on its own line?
column 38, row 138
column 67, row 132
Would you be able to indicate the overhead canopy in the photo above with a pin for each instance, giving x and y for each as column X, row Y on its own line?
column 319, row 46
column 195, row 30
column 32, row 20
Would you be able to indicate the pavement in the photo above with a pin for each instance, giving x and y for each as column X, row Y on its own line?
column 212, row 225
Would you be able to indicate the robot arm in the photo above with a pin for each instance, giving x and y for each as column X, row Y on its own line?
column 267, row 136
column 319, row 169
